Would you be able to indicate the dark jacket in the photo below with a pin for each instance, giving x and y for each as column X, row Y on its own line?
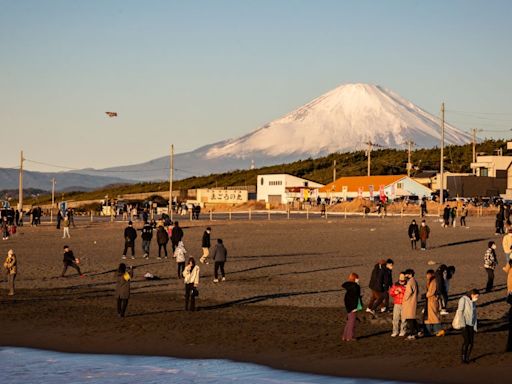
column 147, row 232
column 353, row 295
column 69, row 258
column 446, row 213
column 176, row 235
column 130, row 234
column 414, row 231
column 387, row 278
column 377, row 278
column 162, row 237
column 206, row 240
column 219, row 253
column 123, row 286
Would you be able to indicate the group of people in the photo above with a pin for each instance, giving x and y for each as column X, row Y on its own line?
column 450, row 215
column 405, row 293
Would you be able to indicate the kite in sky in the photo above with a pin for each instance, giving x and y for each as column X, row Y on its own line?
column 111, row 114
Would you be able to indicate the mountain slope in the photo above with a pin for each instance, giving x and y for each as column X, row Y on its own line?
column 340, row 120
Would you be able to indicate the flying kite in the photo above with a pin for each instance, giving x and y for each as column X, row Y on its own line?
column 111, row 114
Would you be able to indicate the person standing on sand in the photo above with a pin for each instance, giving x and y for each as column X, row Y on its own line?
column 467, row 318
column 353, row 303
column 397, row 292
column 179, row 255
column 507, row 245
column 123, row 277
column 191, row 279
column 424, row 234
column 377, row 286
column 500, row 225
column 147, row 235
column 10, row 266
column 162, row 238
column 205, row 244
column 176, row 236
column 130, row 234
column 5, row 229
column 432, row 316
column 446, row 216
column 219, row 256
column 409, row 305
column 65, row 225
column 490, row 264
column 414, row 233
column 463, row 215
column 70, row 261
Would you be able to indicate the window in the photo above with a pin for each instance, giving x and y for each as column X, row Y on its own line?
column 484, row 172
column 262, row 181
column 400, row 185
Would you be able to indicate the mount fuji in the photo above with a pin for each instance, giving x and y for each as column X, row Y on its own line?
column 340, row 120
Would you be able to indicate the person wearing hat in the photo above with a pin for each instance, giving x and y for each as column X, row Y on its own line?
column 70, row 261
column 11, row 269
column 206, row 243
column 130, row 234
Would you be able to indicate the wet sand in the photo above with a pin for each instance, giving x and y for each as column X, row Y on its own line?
column 281, row 305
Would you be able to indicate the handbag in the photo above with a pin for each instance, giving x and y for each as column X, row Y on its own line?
column 359, row 305
column 195, row 292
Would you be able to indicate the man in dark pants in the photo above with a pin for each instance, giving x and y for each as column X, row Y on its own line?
column 176, row 235
column 380, row 282
column 70, row 261
column 219, row 256
column 130, row 234
column 490, row 263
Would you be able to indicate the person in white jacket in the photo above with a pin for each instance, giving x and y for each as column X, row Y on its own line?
column 179, row 255
column 191, row 279
column 466, row 319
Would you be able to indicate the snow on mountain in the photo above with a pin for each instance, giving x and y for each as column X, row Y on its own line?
column 342, row 120
column 338, row 121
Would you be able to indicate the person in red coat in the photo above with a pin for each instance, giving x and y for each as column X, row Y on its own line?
column 397, row 292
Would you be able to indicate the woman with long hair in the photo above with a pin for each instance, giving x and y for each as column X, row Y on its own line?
column 353, row 303
column 191, row 279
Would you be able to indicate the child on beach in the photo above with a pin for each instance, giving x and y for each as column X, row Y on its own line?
column 353, row 303
column 397, row 293
column 179, row 255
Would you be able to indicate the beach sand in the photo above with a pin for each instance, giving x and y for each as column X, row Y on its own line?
column 282, row 303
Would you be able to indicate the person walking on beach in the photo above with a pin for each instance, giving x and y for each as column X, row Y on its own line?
column 490, row 263
column 441, row 291
column 11, row 268
column 466, row 319
column 500, row 225
column 179, row 255
column 219, row 256
column 409, row 305
column 423, row 207
column 397, row 292
column 130, row 234
column 162, row 238
column 176, row 236
column 353, row 303
column 424, row 234
column 432, row 315
column 191, row 279
column 123, row 277
column 147, row 235
column 463, row 214
column 205, row 244
column 414, row 233
column 65, row 225
column 446, row 216
column 380, row 282
column 70, row 261
column 507, row 245
column 5, row 229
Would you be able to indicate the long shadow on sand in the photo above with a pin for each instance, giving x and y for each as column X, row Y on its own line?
column 260, row 298
column 455, row 243
column 283, row 255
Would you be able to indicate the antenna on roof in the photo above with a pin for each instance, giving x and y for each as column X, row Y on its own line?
column 410, row 144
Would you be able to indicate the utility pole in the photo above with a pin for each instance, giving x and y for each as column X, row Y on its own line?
column 369, row 154
column 171, row 176
column 334, row 171
column 410, row 143
column 53, row 200
column 441, row 172
column 20, row 186
column 474, row 131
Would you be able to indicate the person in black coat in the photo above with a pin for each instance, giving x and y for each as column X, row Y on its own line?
column 205, row 245
column 176, row 235
column 147, row 235
column 446, row 215
column 380, row 282
column 70, row 261
column 414, row 233
column 441, row 292
column 353, row 303
column 130, row 234
column 162, row 238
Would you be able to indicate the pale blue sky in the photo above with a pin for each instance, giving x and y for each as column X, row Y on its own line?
column 195, row 72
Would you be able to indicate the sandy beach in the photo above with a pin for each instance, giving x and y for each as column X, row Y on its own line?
column 282, row 303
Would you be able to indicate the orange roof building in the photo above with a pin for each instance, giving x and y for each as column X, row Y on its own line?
column 371, row 186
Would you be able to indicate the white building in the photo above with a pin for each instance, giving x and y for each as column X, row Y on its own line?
column 283, row 188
